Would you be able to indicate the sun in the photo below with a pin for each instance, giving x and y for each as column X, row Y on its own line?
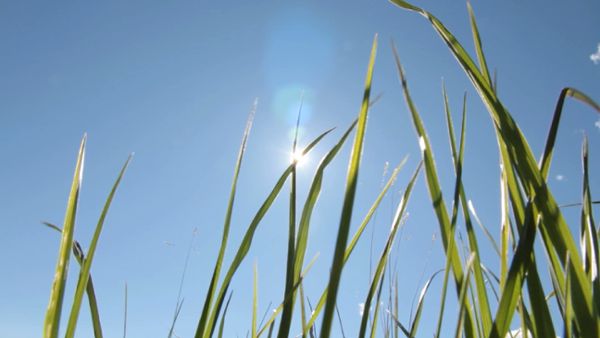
column 298, row 158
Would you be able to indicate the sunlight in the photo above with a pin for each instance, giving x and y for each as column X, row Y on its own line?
column 298, row 158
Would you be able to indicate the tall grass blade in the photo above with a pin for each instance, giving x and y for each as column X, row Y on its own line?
column 553, row 131
column 484, row 308
column 254, row 301
column 357, row 235
column 84, row 273
column 435, row 194
column 381, row 264
column 351, row 182
column 53, row 312
column 227, row 223
column 415, row 322
column 89, row 290
column 247, row 242
column 554, row 230
column 288, row 307
column 462, row 296
column 222, row 323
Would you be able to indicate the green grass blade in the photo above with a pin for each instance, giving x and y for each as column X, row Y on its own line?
column 553, row 131
column 479, row 48
column 554, row 230
column 302, row 311
column 53, row 312
column 254, row 301
column 85, row 269
column 462, row 297
column 227, row 223
column 516, row 274
column 381, row 264
column 415, row 323
column 288, row 308
column 222, row 323
column 377, row 302
column 357, row 235
column 351, row 182
column 247, row 241
column 271, row 320
column 435, row 194
column 304, row 225
column 92, row 301
column 399, row 325
column 484, row 308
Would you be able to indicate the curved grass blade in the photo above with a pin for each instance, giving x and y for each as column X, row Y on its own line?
column 84, row 274
column 80, row 257
column 52, row 319
column 254, row 301
column 227, row 223
column 554, row 230
column 435, row 194
column 553, row 131
column 381, row 265
column 222, row 323
column 415, row 323
column 462, row 296
column 351, row 182
column 247, row 241
column 355, row 239
column 288, row 308
column 304, row 225
column 484, row 308
column 271, row 320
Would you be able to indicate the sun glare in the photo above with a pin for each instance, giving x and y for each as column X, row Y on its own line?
column 298, row 158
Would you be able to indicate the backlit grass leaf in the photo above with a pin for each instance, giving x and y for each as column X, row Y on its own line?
column 347, row 208
column 53, row 312
column 84, row 273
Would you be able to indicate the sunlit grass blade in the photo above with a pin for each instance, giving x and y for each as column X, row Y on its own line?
column 589, row 234
column 179, row 302
column 414, row 326
column 279, row 308
column 84, row 273
column 435, row 194
column 222, row 323
column 382, row 262
column 304, row 225
column 247, row 242
column 92, row 301
column 357, row 235
column 210, row 293
column 462, row 297
column 512, row 289
column 553, row 131
column 479, row 48
column 347, row 208
column 399, row 325
column 377, row 306
column 484, row 308
column 52, row 319
column 288, row 307
column 302, row 311
column 254, row 301
column 554, row 230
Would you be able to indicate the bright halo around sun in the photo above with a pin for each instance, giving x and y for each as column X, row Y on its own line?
column 298, row 158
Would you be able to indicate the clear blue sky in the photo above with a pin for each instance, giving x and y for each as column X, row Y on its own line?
column 174, row 81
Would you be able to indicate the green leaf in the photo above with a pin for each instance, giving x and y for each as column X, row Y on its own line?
column 345, row 220
column 84, row 274
column 52, row 319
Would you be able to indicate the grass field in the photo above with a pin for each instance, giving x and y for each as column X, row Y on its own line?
column 490, row 303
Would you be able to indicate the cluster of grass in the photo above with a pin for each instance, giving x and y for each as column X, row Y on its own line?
column 529, row 213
